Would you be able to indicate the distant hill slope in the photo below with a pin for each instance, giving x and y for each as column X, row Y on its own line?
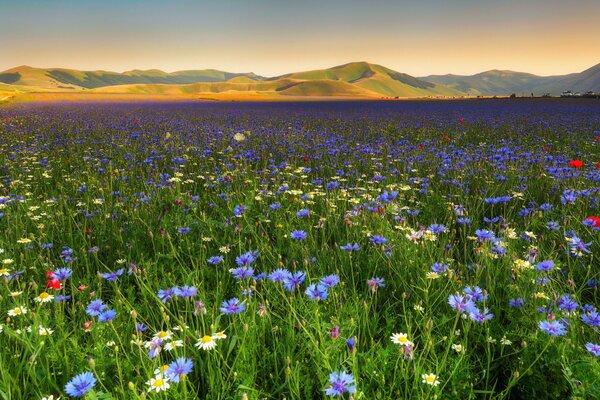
column 57, row 78
column 497, row 82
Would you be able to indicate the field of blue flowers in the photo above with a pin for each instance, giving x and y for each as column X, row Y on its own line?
column 364, row 250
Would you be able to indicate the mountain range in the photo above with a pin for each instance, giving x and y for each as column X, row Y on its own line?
column 357, row 79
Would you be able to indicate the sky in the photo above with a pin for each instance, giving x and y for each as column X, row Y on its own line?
column 273, row 37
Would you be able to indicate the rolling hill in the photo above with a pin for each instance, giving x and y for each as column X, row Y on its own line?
column 496, row 82
column 60, row 78
column 355, row 80
column 358, row 79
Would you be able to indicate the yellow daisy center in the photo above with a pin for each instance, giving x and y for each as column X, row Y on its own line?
column 206, row 339
column 44, row 295
column 158, row 383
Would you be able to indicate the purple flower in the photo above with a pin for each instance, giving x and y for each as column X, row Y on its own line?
column 215, row 260
column 484, row 235
column 185, row 291
column 340, row 383
column 375, row 283
column 292, row 281
column 591, row 318
column 461, row 303
column 330, row 280
column 350, row 247
column 246, row 258
column 183, row 230
column 377, row 239
column 317, row 292
column 439, row 267
column 242, row 272
column 516, row 303
column 553, row 328
column 593, row 348
column 63, row 274
column 166, row 294
column 113, row 276
column 80, row 384
column 232, row 306
column 305, row 212
column 107, row 315
column 298, row 235
column 545, row 266
column 479, row 316
column 279, row 275
column 95, row 308
column 179, row 368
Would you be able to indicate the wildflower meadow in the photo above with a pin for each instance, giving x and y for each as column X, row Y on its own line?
column 365, row 250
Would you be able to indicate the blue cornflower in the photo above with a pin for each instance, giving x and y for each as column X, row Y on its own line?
column 165, row 294
column 553, row 328
column 340, row 383
column 63, row 274
column 439, row 268
column 80, row 384
column 463, row 221
column 179, row 368
column 330, row 280
column 317, row 292
column 292, row 281
column 591, row 318
column 298, row 235
column 305, row 212
column 184, row 230
column 185, row 291
column 140, row 328
column 215, row 260
column 275, row 206
column 461, row 303
column 552, row 226
column 113, row 276
column 246, row 258
column 377, row 239
column 239, row 210
column 476, row 294
column 516, row 303
column 279, row 275
column 478, row 316
column 546, row 265
column 437, row 228
column 566, row 303
column 107, row 315
column 95, row 308
column 232, row 306
column 242, row 272
column 350, row 247
column 484, row 235
column 375, row 283
column 593, row 348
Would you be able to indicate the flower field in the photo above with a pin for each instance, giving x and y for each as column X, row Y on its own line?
column 366, row 250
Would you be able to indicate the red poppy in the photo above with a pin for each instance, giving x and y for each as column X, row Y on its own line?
column 54, row 284
column 598, row 165
column 547, row 148
column 81, row 288
column 50, row 274
column 136, row 121
column 88, row 230
column 446, row 138
column 6, row 120
column 421, row 146
column 305, row 159
column 596, row 221
column 87, row 325
column 461, row 120
column 576, row 163
column 597, row 138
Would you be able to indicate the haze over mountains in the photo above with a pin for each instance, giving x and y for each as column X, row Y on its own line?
column 357, row 79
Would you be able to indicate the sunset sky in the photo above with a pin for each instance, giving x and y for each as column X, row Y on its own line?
column 271, row 37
